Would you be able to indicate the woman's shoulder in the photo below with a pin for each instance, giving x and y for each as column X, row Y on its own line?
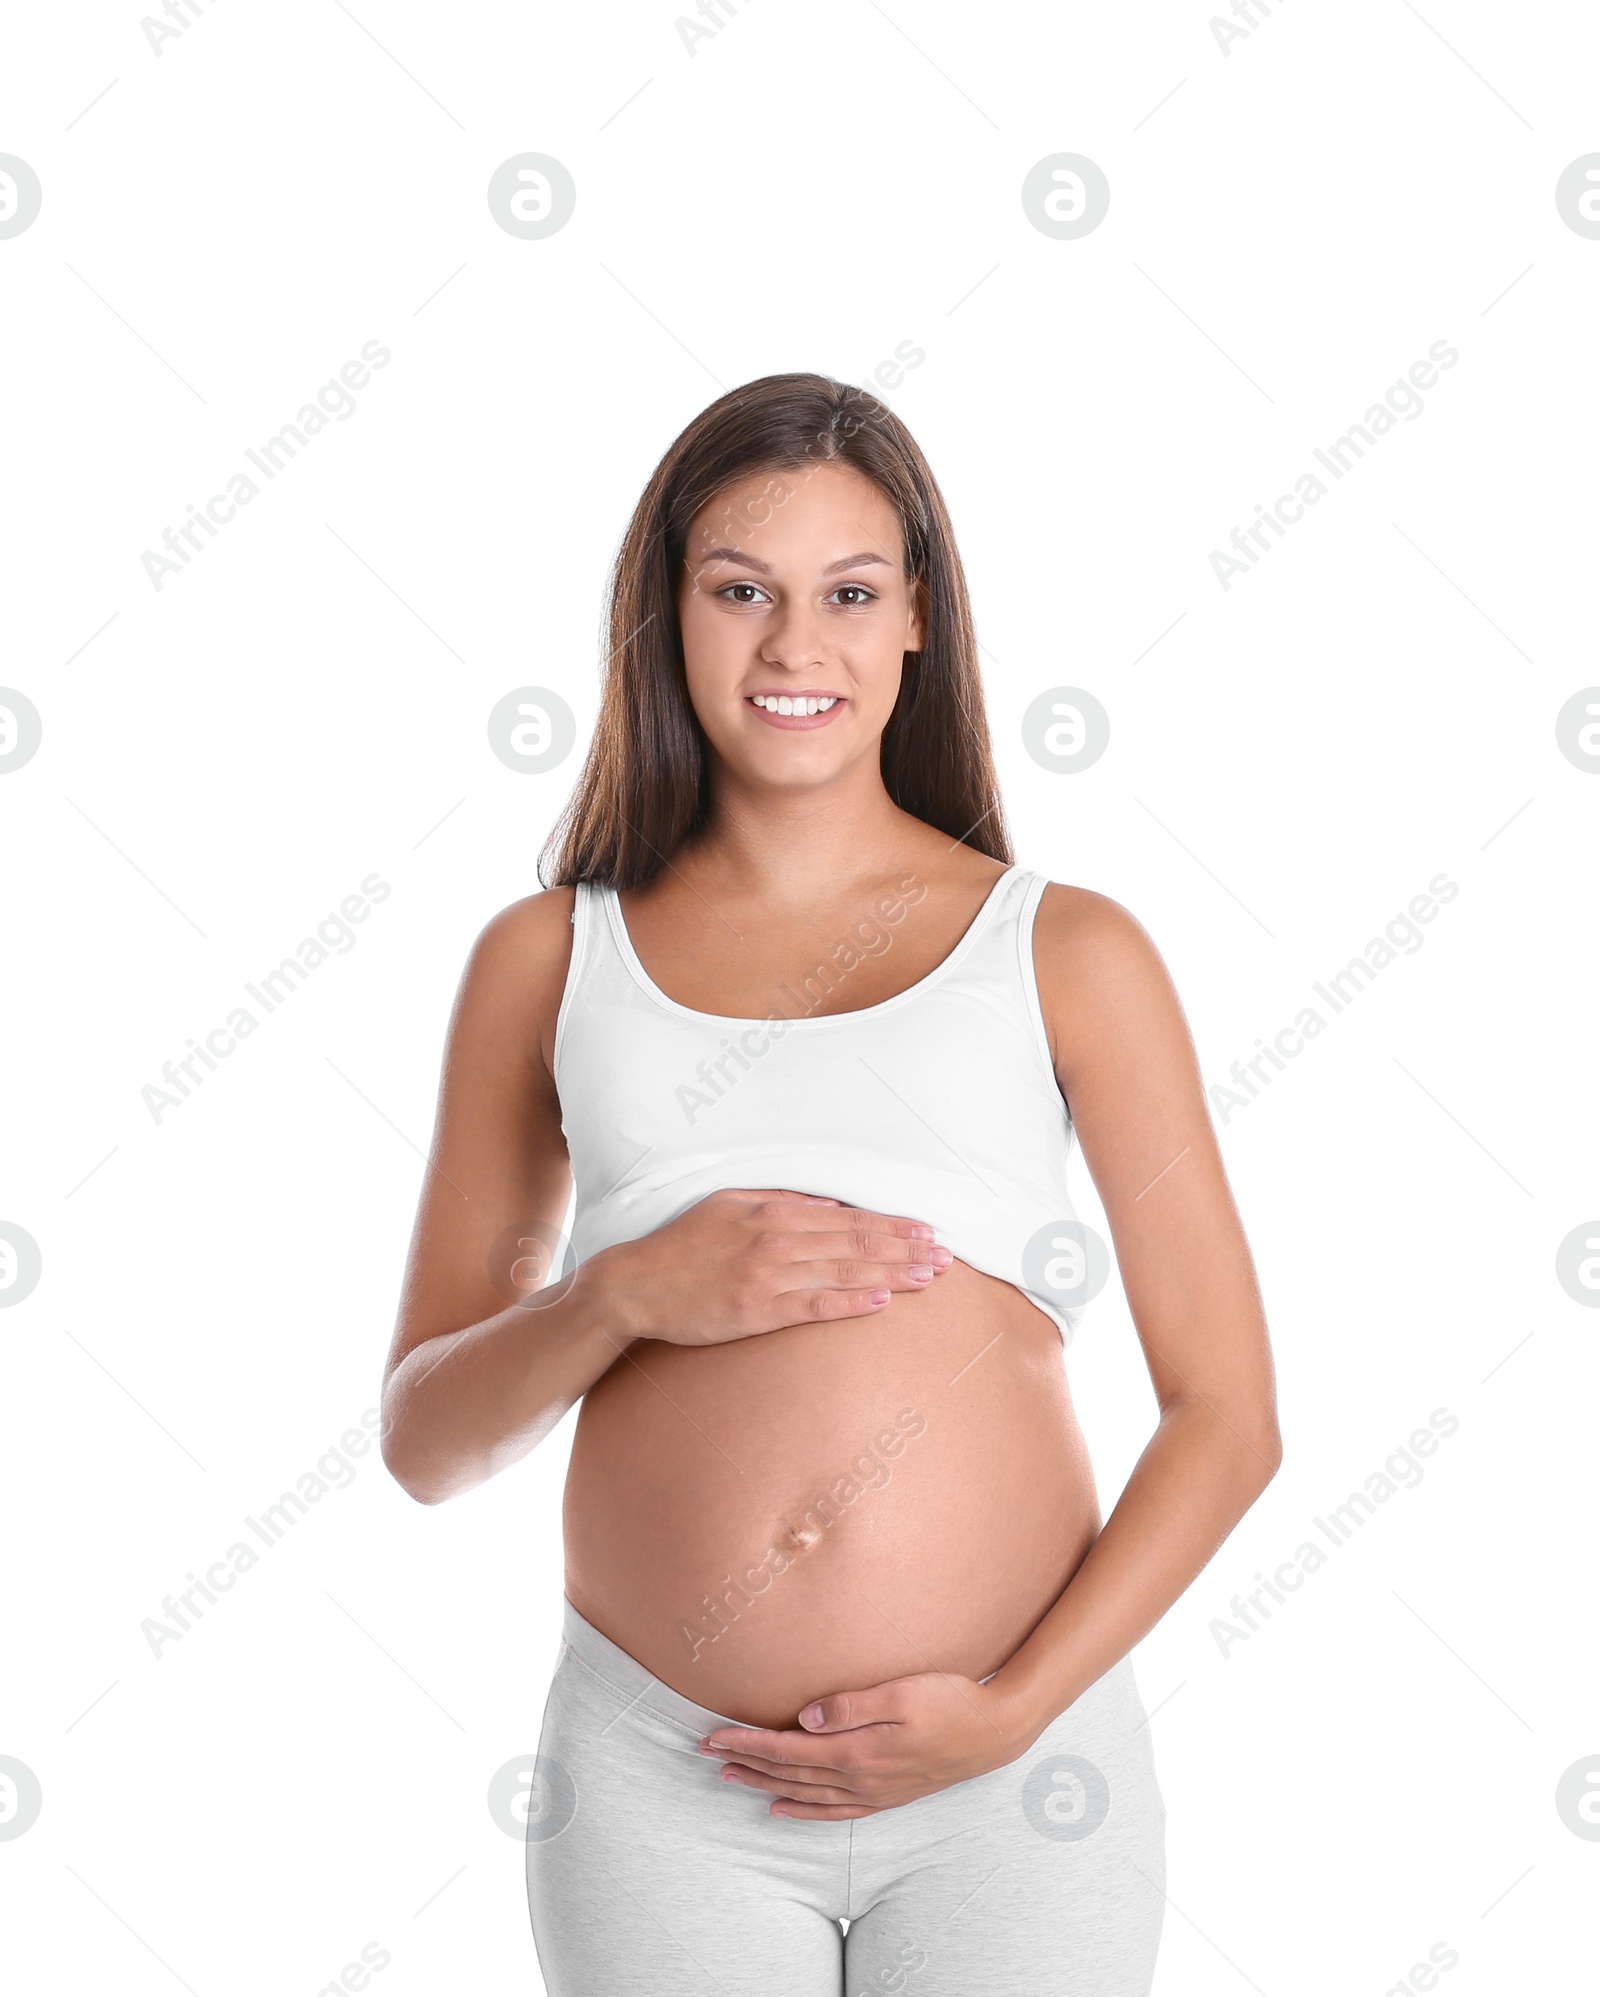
column 535, row 923
column 1082, row 939
column 1064, row 906
column 521, row 954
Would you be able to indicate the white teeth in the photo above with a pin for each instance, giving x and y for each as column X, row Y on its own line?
column 782, row 703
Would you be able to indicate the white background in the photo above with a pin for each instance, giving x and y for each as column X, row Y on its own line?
column 1292, row 224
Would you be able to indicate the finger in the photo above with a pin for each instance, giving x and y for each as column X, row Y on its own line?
column 836, row 1777
column 872, row 1247
column 848, row 1288
column 759, row 1195
column 822, row 1812
column 859, row 1220
column 861, row 1227
column 738, row 1776
column 822, row 1306
column 848, row 1271
column 785, row 1750
column 896, row 1223
column 871, row 1706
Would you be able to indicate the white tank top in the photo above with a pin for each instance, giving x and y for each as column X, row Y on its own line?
column 939, row 1104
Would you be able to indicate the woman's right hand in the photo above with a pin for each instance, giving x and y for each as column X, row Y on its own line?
column 738, row 1263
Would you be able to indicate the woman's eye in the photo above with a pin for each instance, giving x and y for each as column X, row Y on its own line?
column 852, row 595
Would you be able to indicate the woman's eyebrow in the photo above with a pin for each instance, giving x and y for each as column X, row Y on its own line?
column 748, row 561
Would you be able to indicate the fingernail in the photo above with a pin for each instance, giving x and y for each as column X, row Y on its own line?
column 811, row 1717
column 940, row 1257
column 878, row 1297
column 921, row 1233
column 920, row 1272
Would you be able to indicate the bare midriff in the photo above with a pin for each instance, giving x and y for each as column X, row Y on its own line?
column 827, row 1507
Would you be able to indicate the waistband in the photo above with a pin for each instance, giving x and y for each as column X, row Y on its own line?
column 628, row 1679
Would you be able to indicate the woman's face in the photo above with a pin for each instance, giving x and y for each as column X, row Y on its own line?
column 794, row 590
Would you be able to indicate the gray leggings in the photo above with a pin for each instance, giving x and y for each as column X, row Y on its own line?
column 649, row 1877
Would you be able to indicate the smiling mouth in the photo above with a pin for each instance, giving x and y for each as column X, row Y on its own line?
column 796, row 704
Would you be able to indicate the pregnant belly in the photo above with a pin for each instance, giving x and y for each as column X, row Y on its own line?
column 825, row 1507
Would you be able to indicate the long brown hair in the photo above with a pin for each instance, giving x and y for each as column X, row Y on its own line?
column 645, row 785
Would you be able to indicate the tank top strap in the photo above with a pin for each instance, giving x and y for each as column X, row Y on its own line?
column 592, row 947
column 1027, row 915
column 995, row 954
column 1030, row 889
column 1000, row 963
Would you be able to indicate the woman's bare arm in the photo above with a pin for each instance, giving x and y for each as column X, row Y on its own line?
column 472, row 1383
column 1126, row 1065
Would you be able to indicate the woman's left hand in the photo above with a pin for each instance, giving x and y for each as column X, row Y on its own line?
column 859, row 1752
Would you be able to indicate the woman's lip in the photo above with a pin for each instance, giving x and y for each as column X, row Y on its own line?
column 797, row 721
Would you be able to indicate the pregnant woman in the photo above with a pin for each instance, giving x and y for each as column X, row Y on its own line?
column 844, row 1701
